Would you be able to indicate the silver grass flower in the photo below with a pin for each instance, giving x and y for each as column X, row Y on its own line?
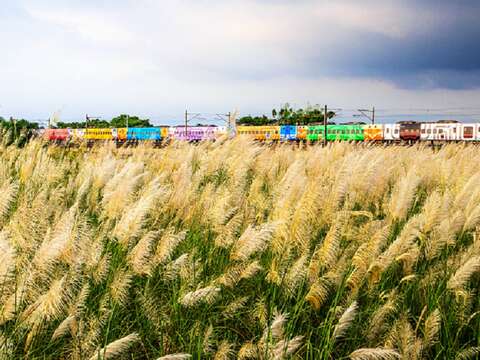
column 204, row 295
column 116, row 348
column 374, row 354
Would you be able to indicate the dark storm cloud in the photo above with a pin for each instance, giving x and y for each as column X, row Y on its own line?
column 446, row 56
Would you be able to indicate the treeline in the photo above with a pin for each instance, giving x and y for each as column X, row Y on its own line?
column 289, row 116
column 117, row 122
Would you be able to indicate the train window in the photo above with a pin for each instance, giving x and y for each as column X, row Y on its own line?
column 396, row 131
column 429, row 131
column 434, row 131
column 423, row 131
column 454, row 130
column 440, row 131
column 388, row 130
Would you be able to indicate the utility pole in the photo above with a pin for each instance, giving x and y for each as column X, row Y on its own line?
column 86, row 121
column 364, row 113
column 186, row 123
column 127, row 120
column 325, row 126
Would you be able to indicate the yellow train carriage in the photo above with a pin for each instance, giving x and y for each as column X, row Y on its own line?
column 98, row 134
column 261, row 133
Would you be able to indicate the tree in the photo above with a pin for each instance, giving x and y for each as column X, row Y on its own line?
column 289, row 116
column 133, row 121
column 117, row 122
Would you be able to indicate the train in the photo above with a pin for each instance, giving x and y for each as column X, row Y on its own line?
column 404, row 131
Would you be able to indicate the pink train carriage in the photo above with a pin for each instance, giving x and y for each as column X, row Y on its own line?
column 194, row 133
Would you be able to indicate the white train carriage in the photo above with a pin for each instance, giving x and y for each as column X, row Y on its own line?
column 441, row 131
column 391, row 132
column 450, row 131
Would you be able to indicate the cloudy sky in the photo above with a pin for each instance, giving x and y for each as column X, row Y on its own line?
column 157, row 57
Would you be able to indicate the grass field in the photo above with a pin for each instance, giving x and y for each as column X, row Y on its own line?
column 234, row 250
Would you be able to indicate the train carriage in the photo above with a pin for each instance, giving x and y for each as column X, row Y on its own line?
column 243, row 130
column 391, row 132
column 288, row 132
column 194, row 133
column 144, row 134
column 410, row 131
column 99, row 134
column 315, row 132
column 56, row 135
column 270, row 133
column 302, row 131
column 121, row 134
column 373, row 132
column 261, row 133
column 251, row 131
column 345, row 132
column 443, row 131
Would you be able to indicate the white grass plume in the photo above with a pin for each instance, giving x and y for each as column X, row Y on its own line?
column 276, row 329
column 345, row 321
column 458, row 280
column 7, row 258
column 204, row 295
column 327, row 253
column 374, row 354
column 167, row 245
column 284, row 349
column 252, row 241
column 139, row 257
column 8, row 192
column 133, row 220
column 295, row 275
column 403, row 195
column 174, row 268
column 179, row 356
column 116, row 348
column 120, row 286
column 49, row 305
column 433, row 324
column 64, row 327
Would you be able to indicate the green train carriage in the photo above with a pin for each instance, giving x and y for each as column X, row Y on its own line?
column 341, row 132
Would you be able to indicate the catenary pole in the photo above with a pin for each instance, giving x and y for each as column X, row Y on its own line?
column 325, row 126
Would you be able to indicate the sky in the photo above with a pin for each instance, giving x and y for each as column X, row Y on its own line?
column 156, row 58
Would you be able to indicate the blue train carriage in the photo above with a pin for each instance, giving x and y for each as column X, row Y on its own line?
column 288, row 133
column 144, row 134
